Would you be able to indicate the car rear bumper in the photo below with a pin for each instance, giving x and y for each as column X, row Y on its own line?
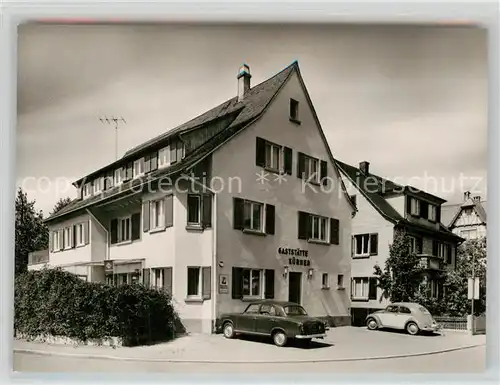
column 432, row 328
column 304, row 336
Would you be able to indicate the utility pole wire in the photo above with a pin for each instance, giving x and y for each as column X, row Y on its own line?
column 115, row 122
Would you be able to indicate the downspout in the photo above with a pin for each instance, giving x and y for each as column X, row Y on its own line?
column 105, row 230
column 214, row 249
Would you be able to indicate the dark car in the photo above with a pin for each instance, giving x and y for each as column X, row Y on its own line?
column 279, row 320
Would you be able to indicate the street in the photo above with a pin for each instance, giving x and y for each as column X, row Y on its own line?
column 463, row 361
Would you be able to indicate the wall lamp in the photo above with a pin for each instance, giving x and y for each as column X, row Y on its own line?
column 285, row 271
column 310, row 273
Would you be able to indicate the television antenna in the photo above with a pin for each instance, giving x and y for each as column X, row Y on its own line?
column 115, row 122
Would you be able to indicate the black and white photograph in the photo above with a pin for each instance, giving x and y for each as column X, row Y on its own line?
column 251, row 198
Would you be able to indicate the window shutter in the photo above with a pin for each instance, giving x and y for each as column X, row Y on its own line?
column 438, row 214
column 136, row 226
column 146, row 279
column 448, row 253
column 303, row 231
column 408, row 204
column 238, row 212
column 173, row 153
column 141, row 165
column 288, row 160
column 86, row 232
column 260, row 152
column 123, row 174
column 63, row 233
column 435, row 248
column 169, row 211
column 147, row 164
column 372, row 290
column 51, row 241
column 300, row 164
column 73, row 238
column 324, row 172
column 353, row 245
column 145, row 216
column 206, row 282
column 424, row 209
column 206, row 220
column 130, row 171
column 154, row 161
column 237, row 283
column 269, row 284
column 114, row 231
column 334, row 231
column 167, row 280
column 270, row 219
column 373, row 244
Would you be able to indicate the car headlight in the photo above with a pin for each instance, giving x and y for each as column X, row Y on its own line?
column 301, row 328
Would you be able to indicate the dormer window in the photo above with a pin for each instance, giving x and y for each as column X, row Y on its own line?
column 138, row 168
column 87, row 190
column 432, row 213
column 98, row 185
column 294, row 111
column 118, row 176
column 164, row 157
column 414, row 206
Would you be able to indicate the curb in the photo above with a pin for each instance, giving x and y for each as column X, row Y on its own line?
column 187, row 361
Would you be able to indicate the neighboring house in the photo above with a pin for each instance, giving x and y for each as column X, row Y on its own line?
column 204, row 210
column 384, row 207
column 467, row 219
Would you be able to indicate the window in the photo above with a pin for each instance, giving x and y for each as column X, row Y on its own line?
column 274, row 157
column 87, row 189
column 79, row 235
column 109, row 180
column 416, row 245
column 432, row 213
column 468, row 211
column 311, row 170
column 124, row 230
column 360, row 288
column 252, row 216
column 176, row 152
column 404, row 310
column 57, row 240
column 319, row 228
column 414, row 206
column 68, row 236
column 251, row 283
column 118, row 176
column 158, row 214
column 294, row 110
column 138, row 168
column 194, row 287
column 324, row 281
column 294, row 310
column 469, row 234
column 128, row 172
column 252, row 309
column 340, row 281
column 391, row 309
column 98, row 185
column 194, row 209
column 365, row 245
column 164, row 157
column 266, row 309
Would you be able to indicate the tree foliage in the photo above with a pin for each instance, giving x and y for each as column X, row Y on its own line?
column 61, row 203
column 401, row 277
column 31, row 234
column 456, row 283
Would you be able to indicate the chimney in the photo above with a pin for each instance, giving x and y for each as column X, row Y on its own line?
column 477, row 199
column 466, row 195
column 364, row 166
column 243, row 81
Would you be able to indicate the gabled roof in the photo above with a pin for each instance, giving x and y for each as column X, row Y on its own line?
column 376, row 190
column 452, row 212
column 243, row 113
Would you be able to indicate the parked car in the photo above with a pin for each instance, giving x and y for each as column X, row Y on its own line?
column 280, row 320
column 411, row 317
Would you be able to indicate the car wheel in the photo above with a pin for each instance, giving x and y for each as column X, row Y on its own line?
column 279, row 338
column 412, row 328
column 372, row 324
column 228, row 330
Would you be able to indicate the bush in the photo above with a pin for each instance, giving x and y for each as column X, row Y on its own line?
column 54, row 302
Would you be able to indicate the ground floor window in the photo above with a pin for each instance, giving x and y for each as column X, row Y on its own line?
column 364, row 288
column 251, row 282
column 193, row 289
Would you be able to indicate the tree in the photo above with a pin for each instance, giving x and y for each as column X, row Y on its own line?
column 31, row 232
column 456, row 283
column 402, row 275
column 61, row 203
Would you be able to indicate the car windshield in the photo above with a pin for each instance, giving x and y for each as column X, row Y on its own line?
column 294, row 310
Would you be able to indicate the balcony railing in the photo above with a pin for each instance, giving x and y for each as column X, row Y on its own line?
column 431, row 262
column 38, row 257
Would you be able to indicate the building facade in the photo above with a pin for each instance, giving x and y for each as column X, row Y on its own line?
column 243, row 202
column 383, row 208
column 467, row 219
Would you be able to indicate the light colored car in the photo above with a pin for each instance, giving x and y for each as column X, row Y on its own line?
column 408, row 316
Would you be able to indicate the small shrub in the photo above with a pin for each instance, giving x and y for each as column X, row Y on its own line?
column 54, row 302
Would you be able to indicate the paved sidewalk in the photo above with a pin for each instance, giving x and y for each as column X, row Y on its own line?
column 341, row 344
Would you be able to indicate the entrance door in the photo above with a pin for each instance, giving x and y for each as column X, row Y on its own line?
column 294, row 287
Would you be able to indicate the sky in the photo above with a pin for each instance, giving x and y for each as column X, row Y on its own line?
column 411, row 100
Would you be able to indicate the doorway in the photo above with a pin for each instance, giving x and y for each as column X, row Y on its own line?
column 294, row 287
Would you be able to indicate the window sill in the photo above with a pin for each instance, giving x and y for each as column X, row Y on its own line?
column 274, row 171
column 340, row 288
column 313, row 182
column 251, row 299
column 296, row 121
column 318, row 242
column 193, row 300
column 360, row 299
column 122, row 243
column 82, row 245
column 325, row 288
column 362, row 256
column 194, row 227
column 254, row 232
column 157, row 230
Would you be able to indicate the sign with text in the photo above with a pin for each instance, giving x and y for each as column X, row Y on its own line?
column 293, row 252
column 473, row 289
column 223, row 284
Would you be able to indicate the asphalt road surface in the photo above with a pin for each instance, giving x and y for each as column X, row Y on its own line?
column 462, row 361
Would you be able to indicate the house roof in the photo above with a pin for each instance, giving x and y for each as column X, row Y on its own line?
column 243, row 113
column 450, row 213
column 376, row 190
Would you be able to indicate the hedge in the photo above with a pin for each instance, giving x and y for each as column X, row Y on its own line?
column 58, row 303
